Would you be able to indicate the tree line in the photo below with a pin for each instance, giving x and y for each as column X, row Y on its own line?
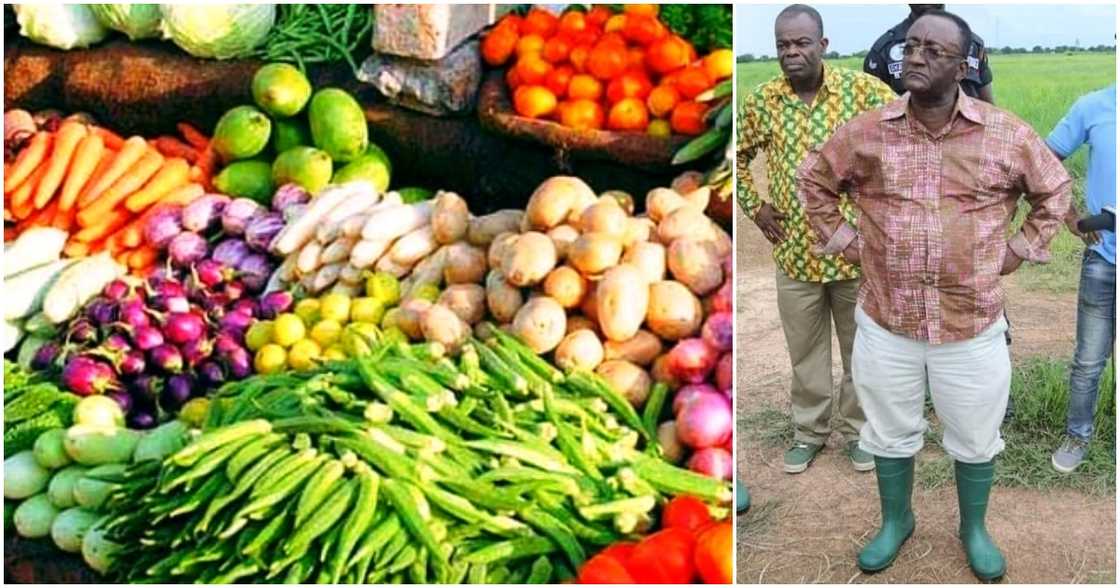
column 749, row 57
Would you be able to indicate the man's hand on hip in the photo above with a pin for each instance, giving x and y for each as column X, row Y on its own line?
column 1090, row 238
column 851, row 252
column 1011, row 262
column 768, row 221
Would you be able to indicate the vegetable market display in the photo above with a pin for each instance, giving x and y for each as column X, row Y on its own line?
column 624, row 71
column 316, row 375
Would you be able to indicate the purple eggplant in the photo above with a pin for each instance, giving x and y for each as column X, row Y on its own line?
column 261, row 230
column 205, row 213
column 167, row 358
column 211, row 272
column 117, row 290
column 237, row 322
column 230, row 252
column 82, row 331
column 237, row 215
column 141, row 420
column 196, row 351
column 224, row 344
column 170, row 289
column 287, row 195
column 238, row 362
column 134, row 314
column 212, row 373
column 255, row 270
column 177, row 392
column 122, row 398
column 275, row 303
column 84, row 375
column 45, row 356
column 162, row 226
column 132, row 364
column 186, row 248
column 182, row 327
column 247, row 306
column 101, row 311
column 234, row 289
column 145, row 389
column 116, row 343
column 147, row 338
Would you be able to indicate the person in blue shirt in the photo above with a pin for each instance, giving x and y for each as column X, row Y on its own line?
column 1092, row 121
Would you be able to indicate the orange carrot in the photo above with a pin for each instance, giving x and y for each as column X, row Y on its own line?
column 86, row 159
column 134, row 149
column 10, row 233
column 28, row 160
column 65, row 144
column 22, row 204
column 112, row 140
column 207, row 163
column 75, row 248
column 193, row 136
column 142, row 257
column 172, row 175
column 64, row 220
column 108, row 156
column 129, row 182
column 38, row 218
column 106, row 224
column 172, row 147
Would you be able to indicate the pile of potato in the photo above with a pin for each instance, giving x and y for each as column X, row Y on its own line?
column 577, row 275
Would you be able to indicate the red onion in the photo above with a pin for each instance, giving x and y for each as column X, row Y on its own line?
column 705, row 421
column 714, row 462
column 692, row 360
column 686, row 394
column 719, row 331
column 721, row 300
column 205, row 213
column 724, row 375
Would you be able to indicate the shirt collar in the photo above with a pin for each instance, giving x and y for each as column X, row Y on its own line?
column 830, row 79
column 965, row 106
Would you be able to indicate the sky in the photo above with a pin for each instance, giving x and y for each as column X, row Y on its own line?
column 854, row 27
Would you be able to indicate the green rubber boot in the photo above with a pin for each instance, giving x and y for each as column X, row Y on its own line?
column 742, row 498
column 974, row 484
column 896, row 480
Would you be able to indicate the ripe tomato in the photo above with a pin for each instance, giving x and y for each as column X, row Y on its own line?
column 642, row 29
column 556, row 49
column 582, row 114
column 713, row 553
column 607, row 60
column 498, row 45
column 598, row 15
column 669, row 53
column 572, row 22
column 539, row 21
column 534, row 101
column 685, row 512
column 628, row 114
column 665, row 557
column 628, row 85
column 584, row 86
column 604, row 569
column 558, row 79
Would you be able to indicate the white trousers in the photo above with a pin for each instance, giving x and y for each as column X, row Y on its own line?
column 969, row 382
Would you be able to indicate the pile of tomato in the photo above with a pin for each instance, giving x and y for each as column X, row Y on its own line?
column 690, row 547
column 604, row 70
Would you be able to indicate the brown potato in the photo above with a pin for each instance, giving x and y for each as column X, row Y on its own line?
column 502, row 299
column 529, row 259
column 578, row 321
column 540, row 324
column 562, row 237
column 687, row 182
column 605, row 217
column 627, row 379
column 621, row 299
column 648, row 257
column 594, row 253
column 450, row 217
column 580, row 349
column 590, row 305
column 553, row 200
column 674, row 311
column 638, row 230
column 640, row 349
column 696, row 264
column 684, row 222
column 465, row 264
column 699, row 197
column 409, row 316
column 498, row 248
column 722, row 240
column 566, row 285
column 579, row 204
column 483, row 229
column 661, row 202
column 441, row 325
column 467, row 301
column 623, row 199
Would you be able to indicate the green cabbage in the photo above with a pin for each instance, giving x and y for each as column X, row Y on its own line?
column 220, row 31
column 138, row 21
column 62, row 26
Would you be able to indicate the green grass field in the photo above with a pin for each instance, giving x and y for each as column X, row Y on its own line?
column 1040, row 89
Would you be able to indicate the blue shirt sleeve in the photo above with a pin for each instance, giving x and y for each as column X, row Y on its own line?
column 1071, row 131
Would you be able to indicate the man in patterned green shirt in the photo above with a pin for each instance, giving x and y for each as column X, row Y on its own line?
column 784, row 118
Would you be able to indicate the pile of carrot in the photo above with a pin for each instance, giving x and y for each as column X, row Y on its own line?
column 102, row 188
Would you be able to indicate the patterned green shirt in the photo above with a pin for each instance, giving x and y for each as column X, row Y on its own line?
column 775, row 121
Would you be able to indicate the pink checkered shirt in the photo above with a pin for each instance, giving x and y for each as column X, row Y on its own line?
column 933, row 212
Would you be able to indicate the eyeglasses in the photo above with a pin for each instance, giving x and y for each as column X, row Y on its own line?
column 928, row 52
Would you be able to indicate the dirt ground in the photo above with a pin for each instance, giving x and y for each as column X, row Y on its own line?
column 808, row 528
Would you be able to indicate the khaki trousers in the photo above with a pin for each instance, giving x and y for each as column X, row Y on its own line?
column 808, row 311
